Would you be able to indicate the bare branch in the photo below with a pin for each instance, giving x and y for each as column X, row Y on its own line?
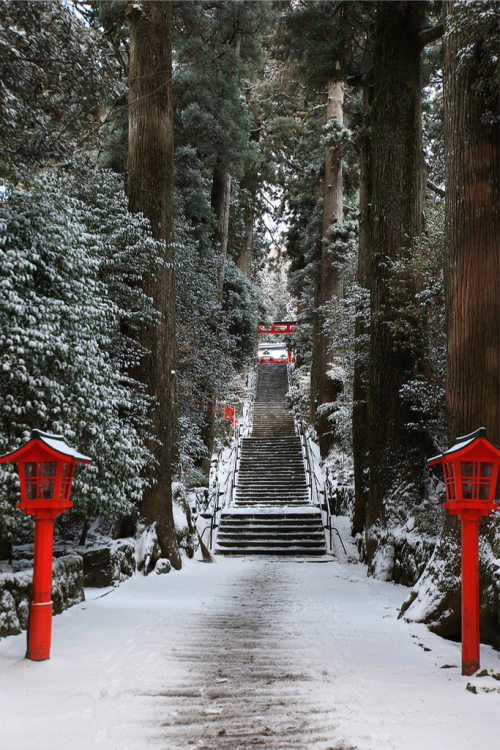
column 430, row 35
column 436, row 189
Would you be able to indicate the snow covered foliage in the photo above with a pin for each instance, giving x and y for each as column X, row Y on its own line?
column 273, row 284
column 214, row 340
column 71, row 257
column 203, row 343
column 299, row 394
column 55, row 71
column 240, row 303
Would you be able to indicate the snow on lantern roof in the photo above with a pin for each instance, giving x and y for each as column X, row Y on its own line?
column 464, row 442
column 57, row 443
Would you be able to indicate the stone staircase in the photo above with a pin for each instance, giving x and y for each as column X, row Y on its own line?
column 270, row 513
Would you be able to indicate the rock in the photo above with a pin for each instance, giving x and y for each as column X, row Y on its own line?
column 9, row 620
column 148, row 550
column 67, row 583
column 108, row 566
column 16, row 592
column 163, row 566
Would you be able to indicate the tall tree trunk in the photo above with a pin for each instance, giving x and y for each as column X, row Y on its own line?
column 245, row 255
column 396, row 222
column 150, row 190
column 360, row 427
column 249, row 186
column 472, row 266
column 325, row 390
column 220, row 200
column 472, row 292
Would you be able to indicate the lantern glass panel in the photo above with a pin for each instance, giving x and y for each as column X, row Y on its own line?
column 31, row 476
column 49, row 476
column 449, row 477
column 484, row 491
column 49, row 469
column 30, row 469
column 67, row 476
column 467, row 490
column 31, row 490
column 467, row 468
column 486, row 469
column 485, row 475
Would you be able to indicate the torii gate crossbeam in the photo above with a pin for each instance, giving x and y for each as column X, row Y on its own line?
column 279, row 327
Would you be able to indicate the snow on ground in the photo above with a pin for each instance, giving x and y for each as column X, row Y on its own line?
column 240, row 654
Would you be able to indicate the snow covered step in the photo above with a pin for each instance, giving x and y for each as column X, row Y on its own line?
column 270, row 513
column 279, row 532
column 272, row 383
column 275, row 485
column 306, row 513
column 269, row 497
column 263, row 498
column 269, row 503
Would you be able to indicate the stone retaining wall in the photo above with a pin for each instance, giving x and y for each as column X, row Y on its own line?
column 15, row 593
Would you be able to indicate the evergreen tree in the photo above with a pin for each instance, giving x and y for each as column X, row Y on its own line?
column 70, row 259
column 56, row 74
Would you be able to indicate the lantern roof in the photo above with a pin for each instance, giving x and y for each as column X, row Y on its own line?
column 464, row 442
column 55, row 443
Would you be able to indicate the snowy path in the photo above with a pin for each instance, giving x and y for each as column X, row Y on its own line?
column 246, row 653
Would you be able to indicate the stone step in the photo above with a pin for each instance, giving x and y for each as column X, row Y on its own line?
column 275, row 551
column 281, row 544
column 256, row 532
column 268, row 495
column 254, row 518
column 270, row 514
column 260, row 478
column 269, row 502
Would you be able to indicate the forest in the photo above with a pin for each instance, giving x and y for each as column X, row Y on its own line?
column 173, row 173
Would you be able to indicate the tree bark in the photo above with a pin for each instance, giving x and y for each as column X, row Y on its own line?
column 245, row 256
column 472, row 264
column 360, row 426
column 396, row 222
column 220, row 201
column 150, row 191
column 325, row 389
column 472, row 291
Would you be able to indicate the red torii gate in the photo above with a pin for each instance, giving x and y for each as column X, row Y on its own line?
column 280, row 328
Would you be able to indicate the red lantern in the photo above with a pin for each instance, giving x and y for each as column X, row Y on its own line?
column 45, row 465
column 229, row 413
column 470, row 474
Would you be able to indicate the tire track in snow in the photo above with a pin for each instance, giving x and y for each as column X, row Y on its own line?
column 248, row 680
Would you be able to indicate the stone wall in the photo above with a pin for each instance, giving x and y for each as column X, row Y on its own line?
column 15, row 593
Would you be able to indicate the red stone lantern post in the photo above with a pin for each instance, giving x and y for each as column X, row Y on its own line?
column 470, row 475
column 45, row 465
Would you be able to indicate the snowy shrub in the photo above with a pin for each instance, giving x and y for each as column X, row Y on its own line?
column 239, row 304
column 69, row 259
column 299, row 395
